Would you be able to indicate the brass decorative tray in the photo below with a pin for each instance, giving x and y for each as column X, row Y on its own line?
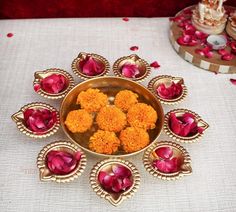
column 64, row 161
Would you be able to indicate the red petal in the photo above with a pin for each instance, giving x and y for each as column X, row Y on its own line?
column 78, row 155
column 201, row 35
column 130, row 70
column 223, row 52
column 155, row 64
column 54, row 83
column 175, row 124
column 121, row 171
column 9, row 35
column 178, row 18
column 101, row 176
column 227, row 57
column 171, row 92
column 233, row 81
column 164, row 152
column 187, row 40
column 108, row 181
column 127, row 183
column 117, row 185
column 134, row 48
column 125, row 19
column 166, row 166
column 60, row 162
column 37, row 87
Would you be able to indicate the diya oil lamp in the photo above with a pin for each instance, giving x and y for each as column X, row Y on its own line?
column 37, row 120
column 184, row 125
column 90, row 65
column 169, row 90
column 115, row 180
column 132, row 67
column 61, row 162
column 167, row 160
column 53, row 83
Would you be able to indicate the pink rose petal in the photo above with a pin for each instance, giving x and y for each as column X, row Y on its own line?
column 91, row 66
column 101, row 176
column 171, row 92
column 134, row 48
column 130, row 70
column 125, row 19
column 9, row 35
column 227, row 57
column 155, row 64
column 233, row 81
column 55, row 83
column 60, row 162
column 164, row 152
column 121, row 171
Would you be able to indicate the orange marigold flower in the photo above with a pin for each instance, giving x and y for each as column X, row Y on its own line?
column 92, row 100
column 111, row 118
column 134, row 139
column 142, row 115
column 104, row 142
column 78, row 121
column 125, row 99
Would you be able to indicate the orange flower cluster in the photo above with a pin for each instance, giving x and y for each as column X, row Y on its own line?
column 112, row 119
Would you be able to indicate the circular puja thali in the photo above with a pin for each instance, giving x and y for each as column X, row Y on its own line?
column 191, row 44
column 112, row 118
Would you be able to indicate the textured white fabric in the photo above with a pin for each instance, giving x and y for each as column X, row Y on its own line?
column 41, row 44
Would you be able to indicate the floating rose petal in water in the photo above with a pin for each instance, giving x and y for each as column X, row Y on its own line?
column 169, row 92
column 184, row 125
column 61, row 162
column 118, row 180
column 130, row 70
column 53, row 84
column 166, row 162
column 91, row 67
column 39, row 120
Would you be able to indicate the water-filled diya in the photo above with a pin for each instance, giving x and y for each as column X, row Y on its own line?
column 132, row 67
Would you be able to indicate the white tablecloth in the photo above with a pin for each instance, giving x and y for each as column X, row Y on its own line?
column 41, row 44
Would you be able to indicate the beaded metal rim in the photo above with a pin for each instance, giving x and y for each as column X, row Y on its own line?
column 79, row 73
column 167, row 176
column 142, row 61
column 151, row 87
column 104, row 194
column 18, row 119
column 178, row 138
column 56, row 71
column 60, row 178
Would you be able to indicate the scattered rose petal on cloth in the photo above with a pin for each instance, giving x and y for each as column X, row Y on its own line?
column 155, row 64
column 54, row 83
column 125, row 19
column 61, row 162
column 134, row 48
column 9, row 35
column 233, row 81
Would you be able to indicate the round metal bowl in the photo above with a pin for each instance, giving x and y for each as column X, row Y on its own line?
column 110, row 86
